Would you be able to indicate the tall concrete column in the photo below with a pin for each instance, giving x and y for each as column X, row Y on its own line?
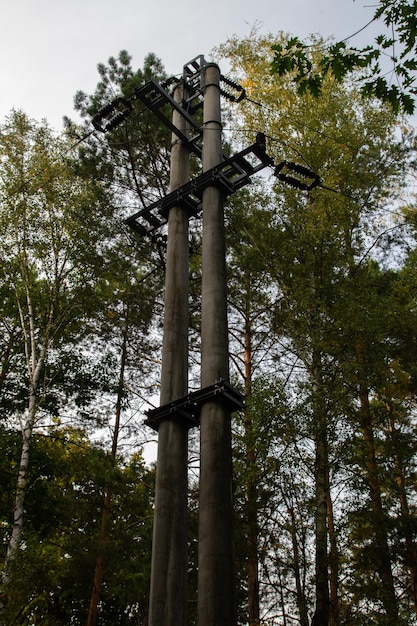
column 216, row 579
column 168, row 598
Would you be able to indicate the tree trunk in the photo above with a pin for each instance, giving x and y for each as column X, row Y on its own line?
column 105, row 518
column 21, row 485
column 252, row 490
column 301, row 598
column 321, row 615
column 383, row 557
column 333, row 564
column 22, row 477
column 5, row 360
column 35, row 359
column 410, row 545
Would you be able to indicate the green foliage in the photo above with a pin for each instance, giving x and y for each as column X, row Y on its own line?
column 133, row 160
column 76, row 288
column 340, row 60
column 326, row 263
column 52, row 576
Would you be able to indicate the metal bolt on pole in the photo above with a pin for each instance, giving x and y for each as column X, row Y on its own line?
column 216, row 575
column 168, row 599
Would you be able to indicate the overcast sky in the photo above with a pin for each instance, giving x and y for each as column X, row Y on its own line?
column 49, row 49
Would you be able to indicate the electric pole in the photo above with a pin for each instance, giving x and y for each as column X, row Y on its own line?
column 216, row 578
column 212, row 405
column 168, row 590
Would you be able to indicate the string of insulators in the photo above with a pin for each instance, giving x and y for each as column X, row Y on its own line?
column 231, row 83
column 292, row 181
column 104, row 121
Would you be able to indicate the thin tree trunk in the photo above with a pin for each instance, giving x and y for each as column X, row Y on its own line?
column 301, row 598
column 383, row 557
column 282, row 601
column 105, row 518
column 21, row 484
column 252, row 489
column 5, row 360
column 35, row 359
column 321, row 615
column 333, row 565
column 410, row 545
column 34, row 363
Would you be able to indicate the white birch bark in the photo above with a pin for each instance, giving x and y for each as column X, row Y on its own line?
column 34, row 361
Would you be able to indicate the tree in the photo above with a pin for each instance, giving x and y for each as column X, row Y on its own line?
column 316, row 240
column 368, row 65
column 50, row 578
column 128, row 316
column 132, row 161
column 251, row 305
column 49, row 262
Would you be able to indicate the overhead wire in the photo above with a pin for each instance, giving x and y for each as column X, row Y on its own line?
column 305, row 124
column 297, row 151
column 241, row 98
column 120, row 117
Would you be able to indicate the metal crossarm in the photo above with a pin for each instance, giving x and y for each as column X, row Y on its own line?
column 193, row 76
column 230, row 175
column 155, row 97
column 187, row 409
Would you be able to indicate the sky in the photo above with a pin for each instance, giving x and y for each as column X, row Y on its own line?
column 49, row 49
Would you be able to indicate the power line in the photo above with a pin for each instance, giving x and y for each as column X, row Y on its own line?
column 113, row 114
column 305, row 124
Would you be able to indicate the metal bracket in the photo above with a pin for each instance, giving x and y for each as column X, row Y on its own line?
column 187, row 409
column 193, row 77
column 155, row 97
column 230, row 175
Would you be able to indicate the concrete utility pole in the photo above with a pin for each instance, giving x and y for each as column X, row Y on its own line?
column 213, row 404
column 168, row 591
column 216, row 577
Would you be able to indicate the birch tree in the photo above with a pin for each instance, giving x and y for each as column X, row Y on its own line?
column 49, row 261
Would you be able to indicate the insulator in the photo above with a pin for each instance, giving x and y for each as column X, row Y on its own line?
column 116, row 120
column 239, row 88
column 103, row 113
column 107, row 109
column 125, row 102
column 293, row 182
column 230, row 82
column 227, row 95
column 279, row 167
column 170, row 81
column 301, row 169
column 97, row 125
